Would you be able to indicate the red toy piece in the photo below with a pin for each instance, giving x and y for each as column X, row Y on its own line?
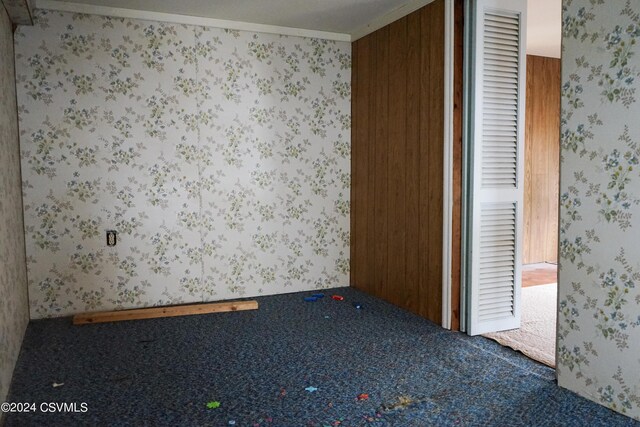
column 337, row 297
column 363, row 396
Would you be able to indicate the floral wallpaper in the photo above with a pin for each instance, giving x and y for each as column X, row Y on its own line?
column 599, row 295
column 221, row 158
column 14, row 308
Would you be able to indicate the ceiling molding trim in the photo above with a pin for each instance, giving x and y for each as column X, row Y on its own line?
column 64, row 6
column 397, row 13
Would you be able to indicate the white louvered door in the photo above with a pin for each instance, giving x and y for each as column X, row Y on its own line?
column 497, row 165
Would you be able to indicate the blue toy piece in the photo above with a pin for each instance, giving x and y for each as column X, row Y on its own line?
column 357, row 305
column 311, row 299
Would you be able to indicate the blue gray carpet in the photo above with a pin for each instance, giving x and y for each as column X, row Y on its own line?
column 259, row 364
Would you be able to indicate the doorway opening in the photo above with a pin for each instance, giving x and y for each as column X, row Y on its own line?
column 510, row 184
column 536, row 336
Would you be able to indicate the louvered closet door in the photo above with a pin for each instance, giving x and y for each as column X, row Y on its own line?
column 497, row 165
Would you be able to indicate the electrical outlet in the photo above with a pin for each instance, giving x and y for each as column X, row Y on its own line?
column 112, row 237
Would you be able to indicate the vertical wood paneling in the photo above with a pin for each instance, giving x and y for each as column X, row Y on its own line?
column 367, row 283
column 360, row 158
column 411, row 294
column 397, row 149
column 456, row 220
column 381, row 208
column 553, row 152
column 542, row 139
column 355, row 150
column 423, row 172
column 426, row 162
column 397, row 185
column 436, row 156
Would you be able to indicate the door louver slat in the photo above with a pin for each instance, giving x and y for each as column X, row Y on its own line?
column 501, row 80
column 497, row 263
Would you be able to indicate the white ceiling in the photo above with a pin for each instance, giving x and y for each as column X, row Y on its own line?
column 544, row 27
column 337, row 16
column 349, row 17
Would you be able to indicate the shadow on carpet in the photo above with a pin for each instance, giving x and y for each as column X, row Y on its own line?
column 259, row 364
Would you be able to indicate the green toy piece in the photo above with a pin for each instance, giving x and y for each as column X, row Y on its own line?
column 213, row 405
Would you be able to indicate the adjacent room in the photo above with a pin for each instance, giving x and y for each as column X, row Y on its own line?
column 292, row 213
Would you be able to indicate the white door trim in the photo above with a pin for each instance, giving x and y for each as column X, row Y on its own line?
column 447, row 200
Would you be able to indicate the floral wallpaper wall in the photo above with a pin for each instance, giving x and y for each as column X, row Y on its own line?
column 599, row 294
column 221, row 158
column 14, row 307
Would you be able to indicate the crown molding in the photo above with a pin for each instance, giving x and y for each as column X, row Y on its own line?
column 64, row 6
column 384, row 20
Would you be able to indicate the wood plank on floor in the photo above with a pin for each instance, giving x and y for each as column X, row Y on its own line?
column 156, row 312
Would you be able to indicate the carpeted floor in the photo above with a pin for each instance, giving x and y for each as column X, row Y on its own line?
column 536, row 336
column 257, row 364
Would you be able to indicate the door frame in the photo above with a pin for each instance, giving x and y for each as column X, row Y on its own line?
column 448, row 205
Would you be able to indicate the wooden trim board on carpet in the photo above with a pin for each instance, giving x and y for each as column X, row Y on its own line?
column 156, row 312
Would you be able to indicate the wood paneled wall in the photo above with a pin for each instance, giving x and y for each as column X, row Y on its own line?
column 456, row 213
column 397, row 162
column 542, row 160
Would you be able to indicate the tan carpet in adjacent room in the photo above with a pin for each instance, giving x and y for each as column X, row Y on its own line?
column 536, row 337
